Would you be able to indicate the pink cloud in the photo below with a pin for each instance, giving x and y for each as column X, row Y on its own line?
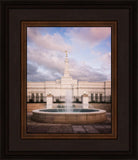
column 92, row 35
column 47, row 59
column 47, row 41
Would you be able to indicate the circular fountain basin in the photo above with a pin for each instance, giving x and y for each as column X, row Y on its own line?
column 76, row 116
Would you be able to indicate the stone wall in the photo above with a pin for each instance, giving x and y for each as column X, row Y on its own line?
column 104, row 106
column 33, row 106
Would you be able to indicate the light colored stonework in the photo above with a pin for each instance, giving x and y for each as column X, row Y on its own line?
column 85, row 101
column 49, row 100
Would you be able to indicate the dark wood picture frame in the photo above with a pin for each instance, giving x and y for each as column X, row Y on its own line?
column 24, row 25
column 12, row 145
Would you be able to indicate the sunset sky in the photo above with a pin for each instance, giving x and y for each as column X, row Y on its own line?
column 89, row 57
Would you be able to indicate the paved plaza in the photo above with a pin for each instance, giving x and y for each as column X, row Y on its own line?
column 36, row 127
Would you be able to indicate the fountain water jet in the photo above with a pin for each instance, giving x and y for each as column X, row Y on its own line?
column 68, row 100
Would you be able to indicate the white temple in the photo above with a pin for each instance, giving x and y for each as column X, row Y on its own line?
column 96, row 91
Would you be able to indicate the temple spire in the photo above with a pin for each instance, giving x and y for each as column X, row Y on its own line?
column 66, row 69
column 66, row 52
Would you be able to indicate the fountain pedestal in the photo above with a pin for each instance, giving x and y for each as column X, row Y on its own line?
column 49, row 100
column 85, row 101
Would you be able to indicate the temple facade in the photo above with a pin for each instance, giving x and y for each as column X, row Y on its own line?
column 96, row 91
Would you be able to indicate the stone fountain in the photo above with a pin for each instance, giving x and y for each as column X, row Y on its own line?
column 68, row 114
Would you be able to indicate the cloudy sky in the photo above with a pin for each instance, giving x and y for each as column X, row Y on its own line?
column 89, row 57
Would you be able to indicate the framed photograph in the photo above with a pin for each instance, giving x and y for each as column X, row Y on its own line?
column 68, row 80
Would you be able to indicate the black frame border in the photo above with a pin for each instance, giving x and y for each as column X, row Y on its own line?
column 101, row 4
